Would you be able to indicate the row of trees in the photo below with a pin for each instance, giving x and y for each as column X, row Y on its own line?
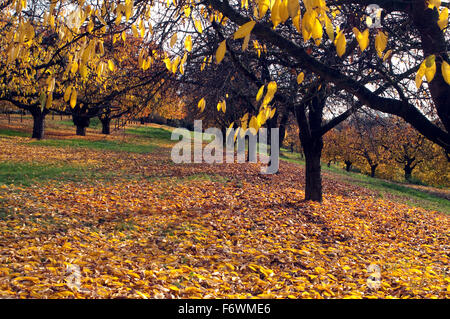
column 387, row 148
column 236, row 62
column 74, row 62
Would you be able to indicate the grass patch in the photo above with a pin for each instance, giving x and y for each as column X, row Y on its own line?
column 6, row 132
column 106, row 145
column 150, row 132
column 26, row 174
column 402, row 193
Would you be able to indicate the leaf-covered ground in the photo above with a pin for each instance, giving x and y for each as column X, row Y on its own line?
column 136, row 225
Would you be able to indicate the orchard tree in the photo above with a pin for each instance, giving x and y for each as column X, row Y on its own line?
column 339, row 145
column 407, row 147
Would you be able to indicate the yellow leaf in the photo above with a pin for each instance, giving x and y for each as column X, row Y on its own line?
column 73, row 98
column 329, row 28
column 362, row 38
column 317, row 31
column 293, row 8
column 111, row 65
column 445, row 68
column 83, row 71
column 380, row 42
column 244, row 30
column 275, row 13
column 67, row 93
column 272, row 88
column 188, row 43
column 143, row 295
column 263, row 6
column 201, row 104
column 198, row 26
column 220, row 53
column 230, row 266
column 319, row 270
column 260, row 93
column 284, row 10
column 135, row 30
column 173, row 40
column 168, row 64
column 187, row 11
column 387, row 55
column 296, row 21
column 128, row 9
column 420, row 74
column 340, row 43
column 253, row 123
column 300, row 78
column 74, row 67
column 175, row 64
column 430, row 72
column 443, row 19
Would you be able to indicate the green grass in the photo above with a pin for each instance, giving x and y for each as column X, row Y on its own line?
column 26, row 174
column 6, row 132
column 150, row 132
column 106, row 145
column 385, row 189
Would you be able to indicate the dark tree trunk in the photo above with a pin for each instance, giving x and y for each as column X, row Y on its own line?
column 81, row 122
column 313, row 178
column 373, row 169
column 309, row 124
column 106, row 125
column 408, row 171
column 81, row 130
column 38, row 125
column 348, row 165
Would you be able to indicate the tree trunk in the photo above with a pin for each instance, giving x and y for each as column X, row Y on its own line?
column 106, row 125
column 373, row 168
column 38, row 125
column 408, row 172
column 348, row 165
column 282, row 132
column 313, row 185
column 81, row 122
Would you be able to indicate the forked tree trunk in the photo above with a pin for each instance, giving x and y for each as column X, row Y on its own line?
column 313, row 178
column 38, row 125
column 81, row 122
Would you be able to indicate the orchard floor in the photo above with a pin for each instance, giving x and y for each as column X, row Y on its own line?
column 108, row 217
